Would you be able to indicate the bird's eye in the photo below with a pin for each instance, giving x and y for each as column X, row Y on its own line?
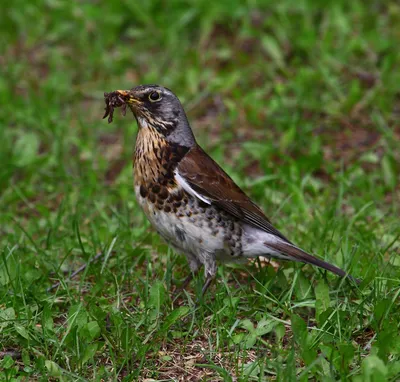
column 154, row 96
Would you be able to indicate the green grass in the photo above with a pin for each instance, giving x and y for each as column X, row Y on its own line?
column 299, row 102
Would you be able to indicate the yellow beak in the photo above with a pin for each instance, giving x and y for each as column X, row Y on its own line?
column 128, row 97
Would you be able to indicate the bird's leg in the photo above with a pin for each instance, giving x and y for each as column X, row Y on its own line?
column 195, row 266
column 206, row 285
column 210, row 271
column 187, row 280
column 185, row 283
column 209, row 279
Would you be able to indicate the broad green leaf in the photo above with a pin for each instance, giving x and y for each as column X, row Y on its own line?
column 322, row 299
column 248, row 325
column 92, row 330
column 26, row 149
column 89, row 353
column 280, row 331
column 77, row 316
column 374, row 369
column 271, row 46
column 301, row 336
column 388, row 341
column 53, row 368
column 7, row 362
column 346, row 350
column 265, row 327
column 25, row 357
column 156, row 300
column 299, row 328
column 174, row 316
column 251, row 369
column 303, row 287
column 238, row 338
column 47, row 318
column 21, row 331
column 250, row 340
column 389, row 172
column 7, row 316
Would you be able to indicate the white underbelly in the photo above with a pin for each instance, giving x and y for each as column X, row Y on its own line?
column 197, row 235
column 190, row 234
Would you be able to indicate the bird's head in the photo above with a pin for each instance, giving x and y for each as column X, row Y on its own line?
column 158, row 108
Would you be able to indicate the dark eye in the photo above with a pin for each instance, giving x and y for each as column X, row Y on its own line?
column 154, row 96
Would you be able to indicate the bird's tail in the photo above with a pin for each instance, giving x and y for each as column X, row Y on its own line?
column 296, row 254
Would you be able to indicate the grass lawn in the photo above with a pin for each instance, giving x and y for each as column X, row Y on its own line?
column 299, row 102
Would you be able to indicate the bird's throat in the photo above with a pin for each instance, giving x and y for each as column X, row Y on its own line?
column 155, row 158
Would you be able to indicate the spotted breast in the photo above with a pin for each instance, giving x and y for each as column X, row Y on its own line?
column 187, row 223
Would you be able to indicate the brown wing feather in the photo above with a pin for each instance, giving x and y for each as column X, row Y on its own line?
column 207, row 178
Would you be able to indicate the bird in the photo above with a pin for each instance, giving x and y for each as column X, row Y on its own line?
column 193, row 204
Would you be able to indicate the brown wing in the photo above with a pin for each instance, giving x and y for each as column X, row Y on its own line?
column 207, row 178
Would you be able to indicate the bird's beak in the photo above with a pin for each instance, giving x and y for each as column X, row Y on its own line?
column 121, row 98
column 128, row 97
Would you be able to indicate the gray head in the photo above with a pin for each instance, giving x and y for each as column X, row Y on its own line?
column 161, row 109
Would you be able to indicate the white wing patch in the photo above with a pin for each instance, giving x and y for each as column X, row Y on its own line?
column 182, row 182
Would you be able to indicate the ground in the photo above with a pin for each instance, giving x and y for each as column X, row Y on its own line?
column 299, row 102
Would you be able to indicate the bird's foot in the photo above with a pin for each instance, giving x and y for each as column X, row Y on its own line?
column 180, row 289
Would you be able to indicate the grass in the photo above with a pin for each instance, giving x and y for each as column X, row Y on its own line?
column 300, row 104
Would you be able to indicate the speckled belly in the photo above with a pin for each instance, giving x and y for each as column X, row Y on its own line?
column 193, row 226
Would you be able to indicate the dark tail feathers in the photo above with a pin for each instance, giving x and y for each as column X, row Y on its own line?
column 297, row 254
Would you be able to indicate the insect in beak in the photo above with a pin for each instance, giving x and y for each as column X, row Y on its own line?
column 115, row 99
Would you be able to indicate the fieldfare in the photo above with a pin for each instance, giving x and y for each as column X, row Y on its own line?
column 191, row 202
